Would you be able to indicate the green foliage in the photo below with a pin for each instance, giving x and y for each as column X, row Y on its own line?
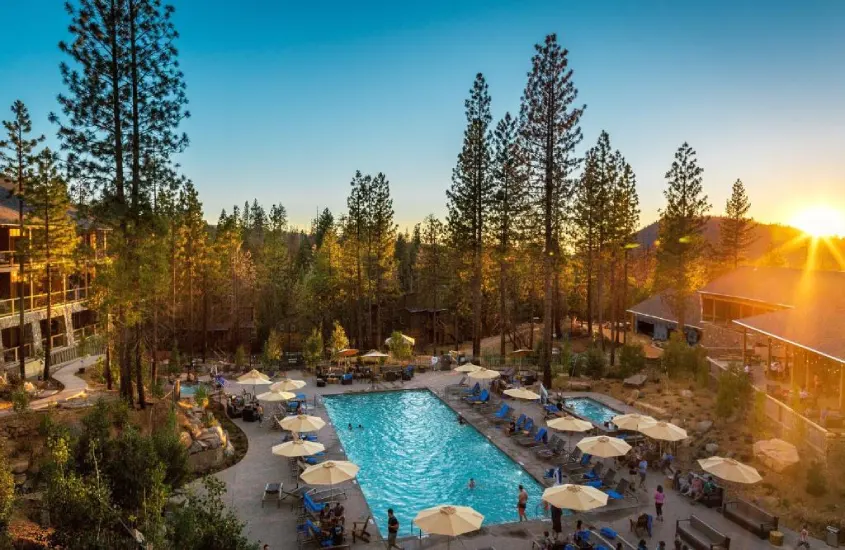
column 272, row 351
column 595, row 362
column 736, row 228
column 734, row 392
column 135, row 473
column 201, row 394
column 174, row 364
column 338, row 340
column 20, row 400
column 171, row 452
column 400, row 349
column 240, row 357
column 681, row 359
column 204, row 522
column 631, row 359
column 816, row 481
column 7, row 491
column 313, row 349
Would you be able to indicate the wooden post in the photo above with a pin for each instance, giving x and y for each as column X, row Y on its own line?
column 744, row 346
column 841, row 387
column 794, row 367
column 769, row 367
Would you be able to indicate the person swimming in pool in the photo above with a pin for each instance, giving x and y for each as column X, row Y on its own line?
column 350, row 426
column 360, row 426
column 471, row 484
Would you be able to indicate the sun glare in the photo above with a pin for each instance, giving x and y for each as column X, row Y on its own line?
column 820, row 221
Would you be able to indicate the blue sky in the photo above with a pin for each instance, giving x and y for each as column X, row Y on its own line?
column 290, row 98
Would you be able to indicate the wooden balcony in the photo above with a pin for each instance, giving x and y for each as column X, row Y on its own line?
column 11, row 306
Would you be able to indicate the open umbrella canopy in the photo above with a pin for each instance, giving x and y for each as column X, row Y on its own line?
column 569, row 424
column 287, row 384
column 484, row 374
column 575, row 497
column 521, row 352
column 330, row 472
column 348, row 352
column 730, row 470
column 274, row 395
column 449, row 520
column 633, row 421
column 405, row 337
column 302, row 423
column 664, row 431
column 468, row 367
column 604, row 446
column 375, row 354
column 521, row 393
column 777, row 454
column 297, row 448
column 254, row 378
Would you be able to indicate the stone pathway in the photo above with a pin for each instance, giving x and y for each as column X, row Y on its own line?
column 276, row 526
column 73, row 385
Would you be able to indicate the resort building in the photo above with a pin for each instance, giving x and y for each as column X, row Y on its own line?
column 70, row 319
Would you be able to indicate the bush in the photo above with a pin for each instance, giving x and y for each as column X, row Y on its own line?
column 172, row 453
column 631, row 359
column 679, row 359
column 174, row 364
column 136, row 473
column 20, row 400
column 240, row 357
column 595, row 362
column 399, row 347
column 816, row 482
column 734, row 392
column 7, row 491
column 313, row 350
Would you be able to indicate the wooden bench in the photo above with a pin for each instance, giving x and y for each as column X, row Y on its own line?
column 750, row 517
column 701, row 536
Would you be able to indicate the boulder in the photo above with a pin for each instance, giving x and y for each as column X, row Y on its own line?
column 704, row 426
column 196, row 447
column 19, row 465
column 711, row 448
column 213, row 443
column 185, row 439
column 229, row 450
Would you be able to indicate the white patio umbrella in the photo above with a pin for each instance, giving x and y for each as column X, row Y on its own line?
column 274, row 395
column 467, row 367
column 330, row 472
column 569, row 424
column 730, row 470
column 664, row 431
column 302, row 423
column 604, row 446
column 449, row 520
column 484, row 374
column 580, row 498
column 405, row 337
column 297, row 448
column 777, row 454
column 287, row 384
column 633, row 421
column 522, row 393
column 254, row 378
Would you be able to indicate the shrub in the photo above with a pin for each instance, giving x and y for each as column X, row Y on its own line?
column 20, row 400
column 595, row 362
column 171, row 452
column 119, row 412
column 7, row 491
column 399, row 347
column 313, row 349
column 240, row 357
column 174, row 364
column 631, row 359
column 734, row 392
column 816, row 482
column 201, row 396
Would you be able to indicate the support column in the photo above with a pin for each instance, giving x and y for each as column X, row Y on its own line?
column 769, row 358
column 795, row 357
column 841, row 386
column 744, row 346
column 68, row 314
column 807, row 370
column 36, row 335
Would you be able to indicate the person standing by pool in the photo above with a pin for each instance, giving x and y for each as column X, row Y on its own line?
column 659, row 498
column 522, row 503
column 392, row 530
column 643, row 470
column 260, row 412
column 557, row 513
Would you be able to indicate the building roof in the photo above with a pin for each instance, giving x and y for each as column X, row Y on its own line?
column 812, row 327
column 780, row 286
column 656, row 307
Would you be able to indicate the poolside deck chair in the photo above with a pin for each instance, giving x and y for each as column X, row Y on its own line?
column 475, row 390
column 332, row 494
column 519, row 422
column 622, row 488
column 609, row 479
column 528, row 427
column 502, row 415
column 577, row 467
column 551, row 450
column 481, row 398
column 593, row 474
column 272, row 491
column 574, row 456
column 534, row 441
column 309, row 532
column 359, row 530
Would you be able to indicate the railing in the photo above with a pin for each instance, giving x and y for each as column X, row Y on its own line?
column 7, row 258
column 789, row 423
column 11, row 306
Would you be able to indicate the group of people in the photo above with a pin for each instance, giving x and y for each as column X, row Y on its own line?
column 332, row 523
column 694, row 486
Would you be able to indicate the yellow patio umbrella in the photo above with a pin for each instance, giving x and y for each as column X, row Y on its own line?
column 522, row 393
column 467, row 367
column 664, row 431
column 632, row 421
column 276, row 395
column 730, row 469
column 776, row 454
column 254, row 378
column 569, row 424
column 302, row 423
column 287, row 385
column 580, row 498
column 603, row 446
column 449, row 520
column 484, row 374
column 297, row 448
column 330, row 472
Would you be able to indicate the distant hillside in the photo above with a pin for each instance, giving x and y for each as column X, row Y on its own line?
column 770, row 239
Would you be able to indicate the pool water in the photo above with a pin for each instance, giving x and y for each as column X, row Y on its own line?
column 187, row 391
column 590, row 409
column 414, row 455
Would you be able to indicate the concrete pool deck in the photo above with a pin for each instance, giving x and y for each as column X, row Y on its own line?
column 277, row 526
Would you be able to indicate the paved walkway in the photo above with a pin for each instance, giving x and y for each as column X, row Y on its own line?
column 276, row 526
column 74, row 387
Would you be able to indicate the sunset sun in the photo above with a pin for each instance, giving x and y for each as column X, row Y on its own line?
column 820, row 221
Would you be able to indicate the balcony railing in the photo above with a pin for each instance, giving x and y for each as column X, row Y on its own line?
column 11, row 306
column 7, row 257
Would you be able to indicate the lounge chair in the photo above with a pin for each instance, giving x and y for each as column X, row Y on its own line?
column 502, row 413
column 578, row 467
column 272, row 491
column 520, row 422
column 528, row 427
column 359, row 530
column 312, row 507
column 592, row 475
column 475, row 390
column 551, row 410
column 551, row 450
column 541, row 434
column 574, row 456
column 332, row 493
column 309, row 532
column 482, row 398
column 622, row 488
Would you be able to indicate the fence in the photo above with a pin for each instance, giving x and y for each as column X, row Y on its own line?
column 789, row 424
column 11, row 306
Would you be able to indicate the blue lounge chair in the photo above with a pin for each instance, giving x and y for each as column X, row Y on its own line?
column 619, row 492
column 503, row 414
column 542, row 433
column 313, row 533
column 483, row 398
column 520, row 422
column 312, row 507
column 550, row 450
column 580, row 466
column 529, row 425
column 595, row 473
column 475, row 390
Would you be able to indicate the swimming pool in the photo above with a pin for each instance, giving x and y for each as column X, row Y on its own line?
column 590, row 409
column 187, row 391
column 413, row 455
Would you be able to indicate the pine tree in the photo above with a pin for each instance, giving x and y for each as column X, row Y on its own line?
column 382, row 233
column 550, row 130
column 17, row 161
column 736, row 229
column 431, row 264
column 321, row 225
column 469, row 198
column 52, row 241
column 508, row 209
column 356, row 236
column 681, row 233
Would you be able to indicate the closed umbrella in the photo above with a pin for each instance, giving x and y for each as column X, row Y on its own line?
column 449, row 520
column 730, row 470
column 298, row 448
column 302, row 423
column 580, row 498
column 776, row 454
column 603, row 446
column 274, row 395
column 634, row 422
column 287, row 385
column 330, row 473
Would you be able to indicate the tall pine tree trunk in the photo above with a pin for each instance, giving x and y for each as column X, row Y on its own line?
column 600, row 297
column 21, row 277
column 108, row 350
column 590, row 289
column 205, row 317
column 139, row 374
column 48, row 352
column 476, row 305
column 503, row 320
column 613, row 312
